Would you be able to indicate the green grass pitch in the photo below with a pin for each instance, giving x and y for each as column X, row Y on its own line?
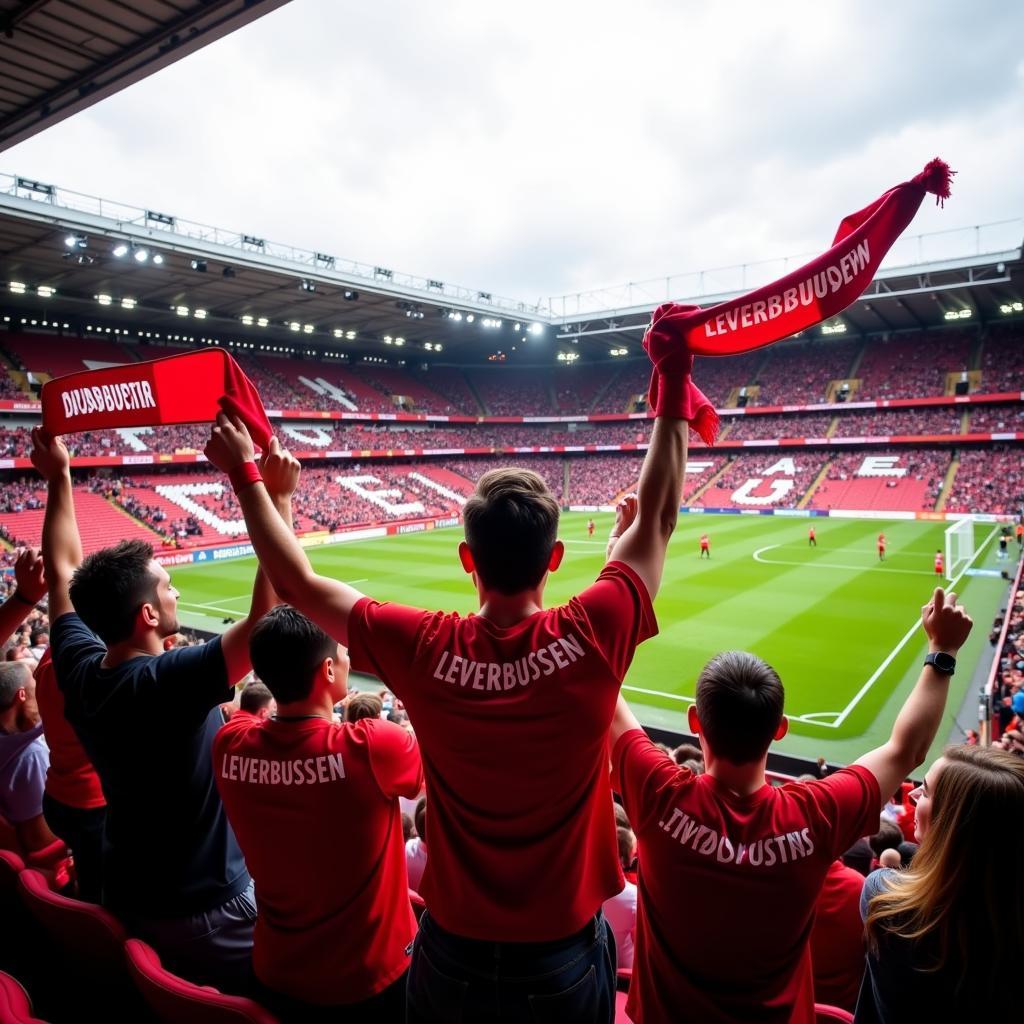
column 836, row 624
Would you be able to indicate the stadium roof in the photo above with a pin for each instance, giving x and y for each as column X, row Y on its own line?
column 60, row 56
column 55, row 239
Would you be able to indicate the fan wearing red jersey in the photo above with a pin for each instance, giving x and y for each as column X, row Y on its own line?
column 511, row 704
column 747, row 860
column 296, row 786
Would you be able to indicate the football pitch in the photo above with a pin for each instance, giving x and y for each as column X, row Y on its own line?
column 840, row 627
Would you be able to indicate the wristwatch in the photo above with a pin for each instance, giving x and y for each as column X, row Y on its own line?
column 941, row 662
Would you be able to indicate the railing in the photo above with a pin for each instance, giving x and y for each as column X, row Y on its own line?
column 986, row 709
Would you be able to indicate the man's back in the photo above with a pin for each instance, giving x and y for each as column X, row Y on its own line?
column 148, row 726
column 728, row 885
column 512, row 723
column 315, row 808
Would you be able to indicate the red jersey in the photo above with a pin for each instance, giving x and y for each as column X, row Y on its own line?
column 746, row 870
column 513, row 727
column 314, row 806
column 938, row 563
column 837, row 938
column 704, row 540
column 71, row 778
column 881, row 541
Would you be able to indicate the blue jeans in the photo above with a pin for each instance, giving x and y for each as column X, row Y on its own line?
column 454, row 980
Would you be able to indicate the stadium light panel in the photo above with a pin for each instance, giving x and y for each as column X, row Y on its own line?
column 128, row 303
column 399, row 341
column 46, row 291
column 350, row 335
column 141, row 254
column 338, row 332
column 119, row 250
column 470, row 318
column 295, row 326
column 158, row 258
column 429, row 346
column 307, row 328
column 437, row 348
column 181, row 310
column 1009, row 308
column 247, row 319
column 349, row 295
column 76, row 242
column 103, row 299
column 200, row 314
column 18, row 287
column 536, row 329
column 306, row 285
column 262, row 321
column 199, row 266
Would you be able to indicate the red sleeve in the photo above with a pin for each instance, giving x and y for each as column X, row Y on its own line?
column 394, row 758
column 639, row 767
column 383, row 639
column 620, row 613
column 849, row 803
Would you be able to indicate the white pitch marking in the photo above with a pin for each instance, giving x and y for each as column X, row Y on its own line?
column 832, row 565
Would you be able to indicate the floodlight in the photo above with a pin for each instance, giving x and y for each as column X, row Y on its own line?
column 119, row 250
column 199, row 266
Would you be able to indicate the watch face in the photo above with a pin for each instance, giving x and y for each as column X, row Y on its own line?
column 944, row 662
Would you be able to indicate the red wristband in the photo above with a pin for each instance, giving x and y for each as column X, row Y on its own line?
column 244, row 475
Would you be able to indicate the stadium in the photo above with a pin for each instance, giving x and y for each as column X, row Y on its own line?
column 860, row 463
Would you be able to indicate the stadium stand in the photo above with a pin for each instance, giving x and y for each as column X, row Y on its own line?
column 416, row 394
column 895, row 422
column 450, row 383
column 996, row 418
column 1001, row 365
column 776, row 480
column 908, row 366
column 59, row 356
column 883, row 479
column 505, row 391
column 988, row 480
column 799, row 372
column 759, row 428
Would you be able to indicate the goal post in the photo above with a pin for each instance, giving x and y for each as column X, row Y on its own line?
column 959, row 547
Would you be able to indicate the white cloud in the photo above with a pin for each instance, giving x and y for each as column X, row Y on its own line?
column 536, row 148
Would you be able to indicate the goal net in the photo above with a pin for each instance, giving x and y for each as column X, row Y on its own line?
column 959, row 547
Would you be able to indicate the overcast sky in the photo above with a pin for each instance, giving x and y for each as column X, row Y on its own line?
column 546, row 146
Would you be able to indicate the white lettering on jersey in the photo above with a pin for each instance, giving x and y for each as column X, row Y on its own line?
column 298, row 771
column 506, row 675
column 766, row 852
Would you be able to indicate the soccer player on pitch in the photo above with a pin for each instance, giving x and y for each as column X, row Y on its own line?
column 705, row 546
column 812, row 540
column 881, row 547
column 511, row 704
column 590, row 527
column 938, row 563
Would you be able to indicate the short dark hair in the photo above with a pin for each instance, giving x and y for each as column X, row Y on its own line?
column 687, row 752
column 888, row 837
column 14, row 675
column 363, row 705
column 255, row 697
column 511, row 524
column 420, row 817
column 739, row 704
column 627, row 846
column 110, row 586
column 286, row 650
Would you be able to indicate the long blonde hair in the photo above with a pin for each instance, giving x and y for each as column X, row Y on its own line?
column 964, row 892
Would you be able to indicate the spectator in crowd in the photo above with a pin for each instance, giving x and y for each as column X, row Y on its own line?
column 147, row 719
column 294, row 787
column 888, row 837
column 74, row 805
column 501, row 882
column 24, row 758
column 945, row 936
column 257, row 700
column 621, row 909
column 416, row 848
column 363, row 705
column 727, row 834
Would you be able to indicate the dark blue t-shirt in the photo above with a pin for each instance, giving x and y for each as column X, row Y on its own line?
column 148, row 726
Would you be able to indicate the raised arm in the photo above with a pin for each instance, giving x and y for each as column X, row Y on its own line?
column 915, row 728
column 62, row 546
column 31, row 586
column 644, row 544
column 280, row 478
column 624, row 721
column 327, row 602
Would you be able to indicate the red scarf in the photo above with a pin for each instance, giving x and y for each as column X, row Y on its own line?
column 190, row 388
column 817, row 291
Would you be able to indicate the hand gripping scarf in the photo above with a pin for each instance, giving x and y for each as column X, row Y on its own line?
column 817, row 291
column 190, row 388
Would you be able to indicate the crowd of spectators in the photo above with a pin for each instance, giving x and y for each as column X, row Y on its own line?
column 914, row 365
column 899, row 422
column 507, row 391
column 1008, row 690
column 995, row 419
column 799, row 372
column 989, row 479
column 760, row 428
column 1001, row 366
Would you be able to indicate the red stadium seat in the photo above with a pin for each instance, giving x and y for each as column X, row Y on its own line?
column 824, row 1014
column 12, row 913
column 623, row 978
column 15, row 1005
column 91, row 940
column 173, row 999
column 620, row 1008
